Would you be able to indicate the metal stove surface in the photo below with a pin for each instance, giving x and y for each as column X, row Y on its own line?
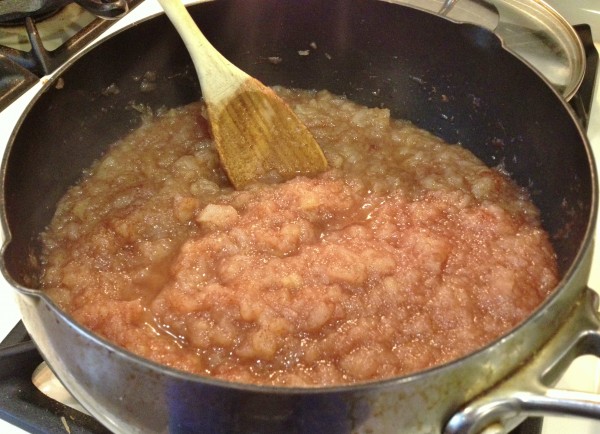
column 584, row 374
column 67, row 22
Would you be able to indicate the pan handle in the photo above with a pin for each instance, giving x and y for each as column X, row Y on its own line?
column 529, row 391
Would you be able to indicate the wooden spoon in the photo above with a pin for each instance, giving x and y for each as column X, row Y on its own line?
column 257, row 135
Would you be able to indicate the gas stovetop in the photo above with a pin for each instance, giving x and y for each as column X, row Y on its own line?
column 51, row 416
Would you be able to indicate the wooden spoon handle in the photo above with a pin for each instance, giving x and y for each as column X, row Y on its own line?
column 219, row 78
column 258, row 136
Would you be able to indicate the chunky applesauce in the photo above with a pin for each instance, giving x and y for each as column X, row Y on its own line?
column 406, row 254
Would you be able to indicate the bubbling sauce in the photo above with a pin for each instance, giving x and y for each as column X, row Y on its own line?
column 406, row 254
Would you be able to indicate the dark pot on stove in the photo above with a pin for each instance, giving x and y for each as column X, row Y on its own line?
column 454, row 80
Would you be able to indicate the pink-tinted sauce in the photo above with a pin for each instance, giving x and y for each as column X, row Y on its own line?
column 407, row 254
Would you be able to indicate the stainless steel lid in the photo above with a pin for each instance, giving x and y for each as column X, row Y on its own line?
column 530, row 29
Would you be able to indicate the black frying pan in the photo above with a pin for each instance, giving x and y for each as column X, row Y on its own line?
column 454, row 80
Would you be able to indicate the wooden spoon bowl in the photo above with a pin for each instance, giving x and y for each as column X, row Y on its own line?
column 257, row 135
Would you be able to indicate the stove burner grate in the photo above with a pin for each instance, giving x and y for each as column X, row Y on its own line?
column 15, row 12
column 22, row 404
column 20, row 20
column 20, row 69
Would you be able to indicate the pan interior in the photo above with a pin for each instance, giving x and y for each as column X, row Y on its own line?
column 454, row 80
